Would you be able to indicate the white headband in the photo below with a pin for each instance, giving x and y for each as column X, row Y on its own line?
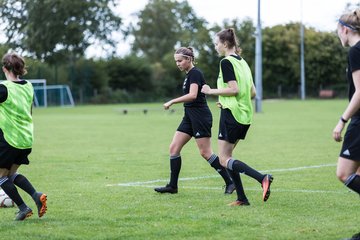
column 183, row 55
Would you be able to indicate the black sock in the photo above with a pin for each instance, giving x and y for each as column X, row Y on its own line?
column 235, row 176
column 215, row 163
column 241, row 167
column 22, row 182
column 175, row 166
column 353, row 182
column 10, row 189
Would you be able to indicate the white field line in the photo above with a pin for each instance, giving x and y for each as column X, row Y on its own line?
column 129, row 184
column 248, row 189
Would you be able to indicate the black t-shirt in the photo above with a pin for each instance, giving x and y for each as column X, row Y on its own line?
column 227, row 69
column 353, row 65
column 4, row 91
column 197, row 77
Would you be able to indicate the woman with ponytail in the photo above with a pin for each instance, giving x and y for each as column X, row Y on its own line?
column 16, row 135
column 235, row 89
column 197, row 123
column 348, row 167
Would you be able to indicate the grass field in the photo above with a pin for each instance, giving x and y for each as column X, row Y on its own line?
column 99, row 166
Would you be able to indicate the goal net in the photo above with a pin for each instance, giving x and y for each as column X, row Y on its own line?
column 51, row 95
column 59, row 95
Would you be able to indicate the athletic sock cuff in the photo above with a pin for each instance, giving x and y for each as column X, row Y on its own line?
column 212, row 158
column 3, row 179
column 350, row 179
column 230, row 164
column 12, row 177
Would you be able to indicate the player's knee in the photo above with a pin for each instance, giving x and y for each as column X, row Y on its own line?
column 342, row 176
column 174, row 150
column 223, row 161
column 205, row 154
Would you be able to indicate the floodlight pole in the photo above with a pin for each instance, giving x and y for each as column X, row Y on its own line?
column 302, row 63
column 258, row 64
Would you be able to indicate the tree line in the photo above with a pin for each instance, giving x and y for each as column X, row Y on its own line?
column 54, row 34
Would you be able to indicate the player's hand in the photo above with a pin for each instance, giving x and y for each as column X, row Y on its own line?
column 218, row 104
column 205, row 89
column 167, row 105
column 337, row 131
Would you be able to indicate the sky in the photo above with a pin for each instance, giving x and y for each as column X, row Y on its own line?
column 320, row 14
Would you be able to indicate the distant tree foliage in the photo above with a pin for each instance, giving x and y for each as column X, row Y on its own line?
column 51, row 29
column 164, row 24
column 325, row 60
column 130, row 73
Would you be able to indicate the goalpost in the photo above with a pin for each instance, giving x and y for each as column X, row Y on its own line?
column 40, row 98
column 51, row 95
column 59, row 95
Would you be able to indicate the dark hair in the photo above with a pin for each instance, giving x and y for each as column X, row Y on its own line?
column 228, row 36
column 14, row 63
column 351, row 20
column 186, row 52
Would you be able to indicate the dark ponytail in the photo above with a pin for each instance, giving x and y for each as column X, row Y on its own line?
column 228, row 36
column 14, row 63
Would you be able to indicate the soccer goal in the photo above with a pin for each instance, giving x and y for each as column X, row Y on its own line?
column 59, row 95
column 51, row 95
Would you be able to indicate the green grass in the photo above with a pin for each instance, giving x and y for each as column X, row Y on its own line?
column 79, row 151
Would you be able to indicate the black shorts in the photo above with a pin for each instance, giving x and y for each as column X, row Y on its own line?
column 351, row 145
column 10, row 155
column 197, row 122
column 231, row 130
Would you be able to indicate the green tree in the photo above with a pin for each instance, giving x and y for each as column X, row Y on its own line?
column 281, row 48
column 157, row 29
column 167, row 78
column 164, row 24
column 130, row 73
column 91, row 77
column 53, row 29
column 325, row 62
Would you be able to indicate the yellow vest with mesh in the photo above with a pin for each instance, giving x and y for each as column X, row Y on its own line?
column 240, row 105
column 15, row 115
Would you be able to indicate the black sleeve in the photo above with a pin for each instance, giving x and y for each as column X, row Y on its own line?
column 227, row 70
column 196, row 78
column 3, row 93
column 354, row 58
